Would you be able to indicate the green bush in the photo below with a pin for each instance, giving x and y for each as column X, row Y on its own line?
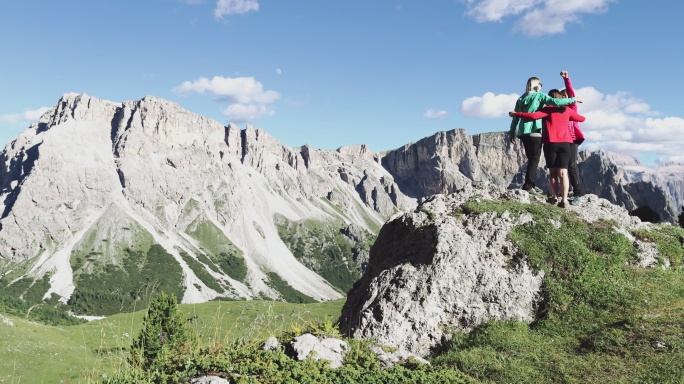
column 164, row 332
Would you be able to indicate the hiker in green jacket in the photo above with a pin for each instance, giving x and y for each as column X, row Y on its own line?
column 530, row 131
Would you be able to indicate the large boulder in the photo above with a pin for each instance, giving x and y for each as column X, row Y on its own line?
column 432, row 273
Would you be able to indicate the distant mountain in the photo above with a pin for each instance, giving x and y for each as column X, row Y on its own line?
column 109, row 202
column 104, row 203
column 669, row 176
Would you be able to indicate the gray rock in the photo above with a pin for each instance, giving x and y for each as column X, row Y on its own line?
column 271, row 344
column 209, row 380
column 431, row 273
column 319, row 348
column 395, row 357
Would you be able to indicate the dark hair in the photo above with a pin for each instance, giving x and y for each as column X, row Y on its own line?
column 556, row 94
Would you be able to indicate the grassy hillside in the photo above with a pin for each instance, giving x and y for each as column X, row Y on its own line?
column 36, row 353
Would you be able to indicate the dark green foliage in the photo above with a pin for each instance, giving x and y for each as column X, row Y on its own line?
column 53, row 315
column 35, row 293
column 233, row 265
column 164, row 331
column 24, row 298
column 202, row 258
column 129, row 286
column 245, row 362
column 324, row 249
column 289, row 294
column 219, row 249
column 201, row 273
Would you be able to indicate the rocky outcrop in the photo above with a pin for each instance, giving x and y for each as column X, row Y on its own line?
column 433, row 271
column 430, row 273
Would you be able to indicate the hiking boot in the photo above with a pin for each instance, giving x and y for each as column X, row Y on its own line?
column 552, row 199
column 575, row 200
column 562, row 204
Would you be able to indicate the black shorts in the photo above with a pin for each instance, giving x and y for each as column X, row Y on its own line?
column 557, row 155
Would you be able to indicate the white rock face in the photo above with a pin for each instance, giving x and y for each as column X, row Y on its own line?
column 167, row 170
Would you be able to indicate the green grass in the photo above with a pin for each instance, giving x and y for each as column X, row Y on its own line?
column 36, row 353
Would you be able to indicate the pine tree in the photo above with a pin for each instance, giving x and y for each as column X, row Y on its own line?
column 164, row 330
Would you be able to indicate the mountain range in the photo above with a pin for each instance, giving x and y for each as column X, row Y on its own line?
column 104, row 203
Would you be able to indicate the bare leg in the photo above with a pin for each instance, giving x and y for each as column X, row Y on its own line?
column 553, row 181
column 565, row 184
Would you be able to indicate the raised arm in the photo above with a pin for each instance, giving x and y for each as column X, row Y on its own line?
column 568, row 84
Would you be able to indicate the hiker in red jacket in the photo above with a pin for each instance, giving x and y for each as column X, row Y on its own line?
column 557, row 142
column 578, row 138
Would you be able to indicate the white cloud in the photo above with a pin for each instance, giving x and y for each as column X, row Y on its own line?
column 489, row 105
column 242, row 90
column 617, row 122
column 538, row 17
column 434, row 114
column 232, row 7
column 279, row 71
column 247, row 96
column 240, row 113
column 30, row 115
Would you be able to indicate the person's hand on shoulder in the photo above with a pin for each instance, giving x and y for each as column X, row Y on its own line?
column 578, row 100
column 564, row 74
column 511, row 114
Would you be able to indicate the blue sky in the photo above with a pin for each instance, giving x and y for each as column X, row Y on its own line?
column 375, row 72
